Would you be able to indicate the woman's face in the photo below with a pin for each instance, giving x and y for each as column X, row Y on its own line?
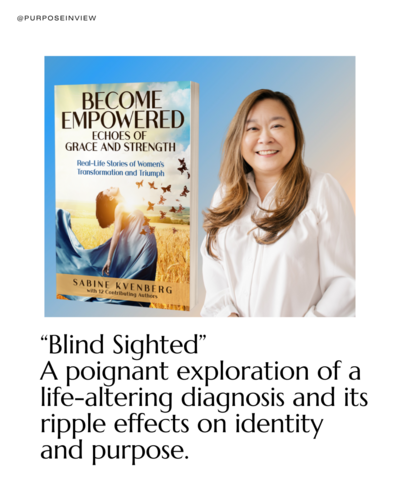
column 111, row 192
column 268, row 141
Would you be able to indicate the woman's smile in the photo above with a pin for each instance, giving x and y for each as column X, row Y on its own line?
column 271, row 152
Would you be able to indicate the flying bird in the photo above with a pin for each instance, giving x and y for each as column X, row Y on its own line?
column 143, row 231
column 182, row 162
column 173, row 210
column 188, row 175
column 179, row 209
column 184, row 192
column 162, row 199
column 168, row 188
column 146, row 221
column 163, row 214
column 152, row 229
column 139, row 184
column 151, row 184
column 174, row 230
column 151, row 206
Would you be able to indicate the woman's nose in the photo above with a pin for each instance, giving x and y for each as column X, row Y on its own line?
column 265, row 136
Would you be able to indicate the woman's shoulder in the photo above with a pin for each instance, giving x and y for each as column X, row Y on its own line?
column 323, row 184
column 325, row 191
column 319, row 179
column 120, row 211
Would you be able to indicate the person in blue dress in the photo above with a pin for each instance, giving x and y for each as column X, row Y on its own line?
column 129, row 254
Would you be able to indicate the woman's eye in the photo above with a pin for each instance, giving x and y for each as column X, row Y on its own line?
column 277, row 126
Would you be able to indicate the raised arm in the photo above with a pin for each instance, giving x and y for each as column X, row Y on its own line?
column 115, row 238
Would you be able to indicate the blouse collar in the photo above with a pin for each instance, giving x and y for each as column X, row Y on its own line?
column 252, row 185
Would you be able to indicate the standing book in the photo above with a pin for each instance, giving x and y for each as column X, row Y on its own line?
column 126, row 193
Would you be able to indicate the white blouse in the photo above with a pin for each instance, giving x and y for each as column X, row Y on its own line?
column 310, row 271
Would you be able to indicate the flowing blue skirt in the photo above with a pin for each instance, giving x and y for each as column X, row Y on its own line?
column 134, row 258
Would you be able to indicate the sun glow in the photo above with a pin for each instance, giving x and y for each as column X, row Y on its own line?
column 130, row 203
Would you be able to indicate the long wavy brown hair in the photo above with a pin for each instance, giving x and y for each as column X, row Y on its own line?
column 291, row 194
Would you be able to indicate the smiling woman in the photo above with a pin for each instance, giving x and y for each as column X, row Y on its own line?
column 268, row 142
column 280, row 237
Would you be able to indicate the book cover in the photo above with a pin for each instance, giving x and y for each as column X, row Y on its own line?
column 126, row 193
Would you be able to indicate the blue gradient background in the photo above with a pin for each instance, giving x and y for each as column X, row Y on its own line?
column 323, row 89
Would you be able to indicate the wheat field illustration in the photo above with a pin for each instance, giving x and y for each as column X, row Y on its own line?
column 173, row 263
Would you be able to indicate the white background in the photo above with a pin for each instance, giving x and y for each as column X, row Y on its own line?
column 356, row 452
